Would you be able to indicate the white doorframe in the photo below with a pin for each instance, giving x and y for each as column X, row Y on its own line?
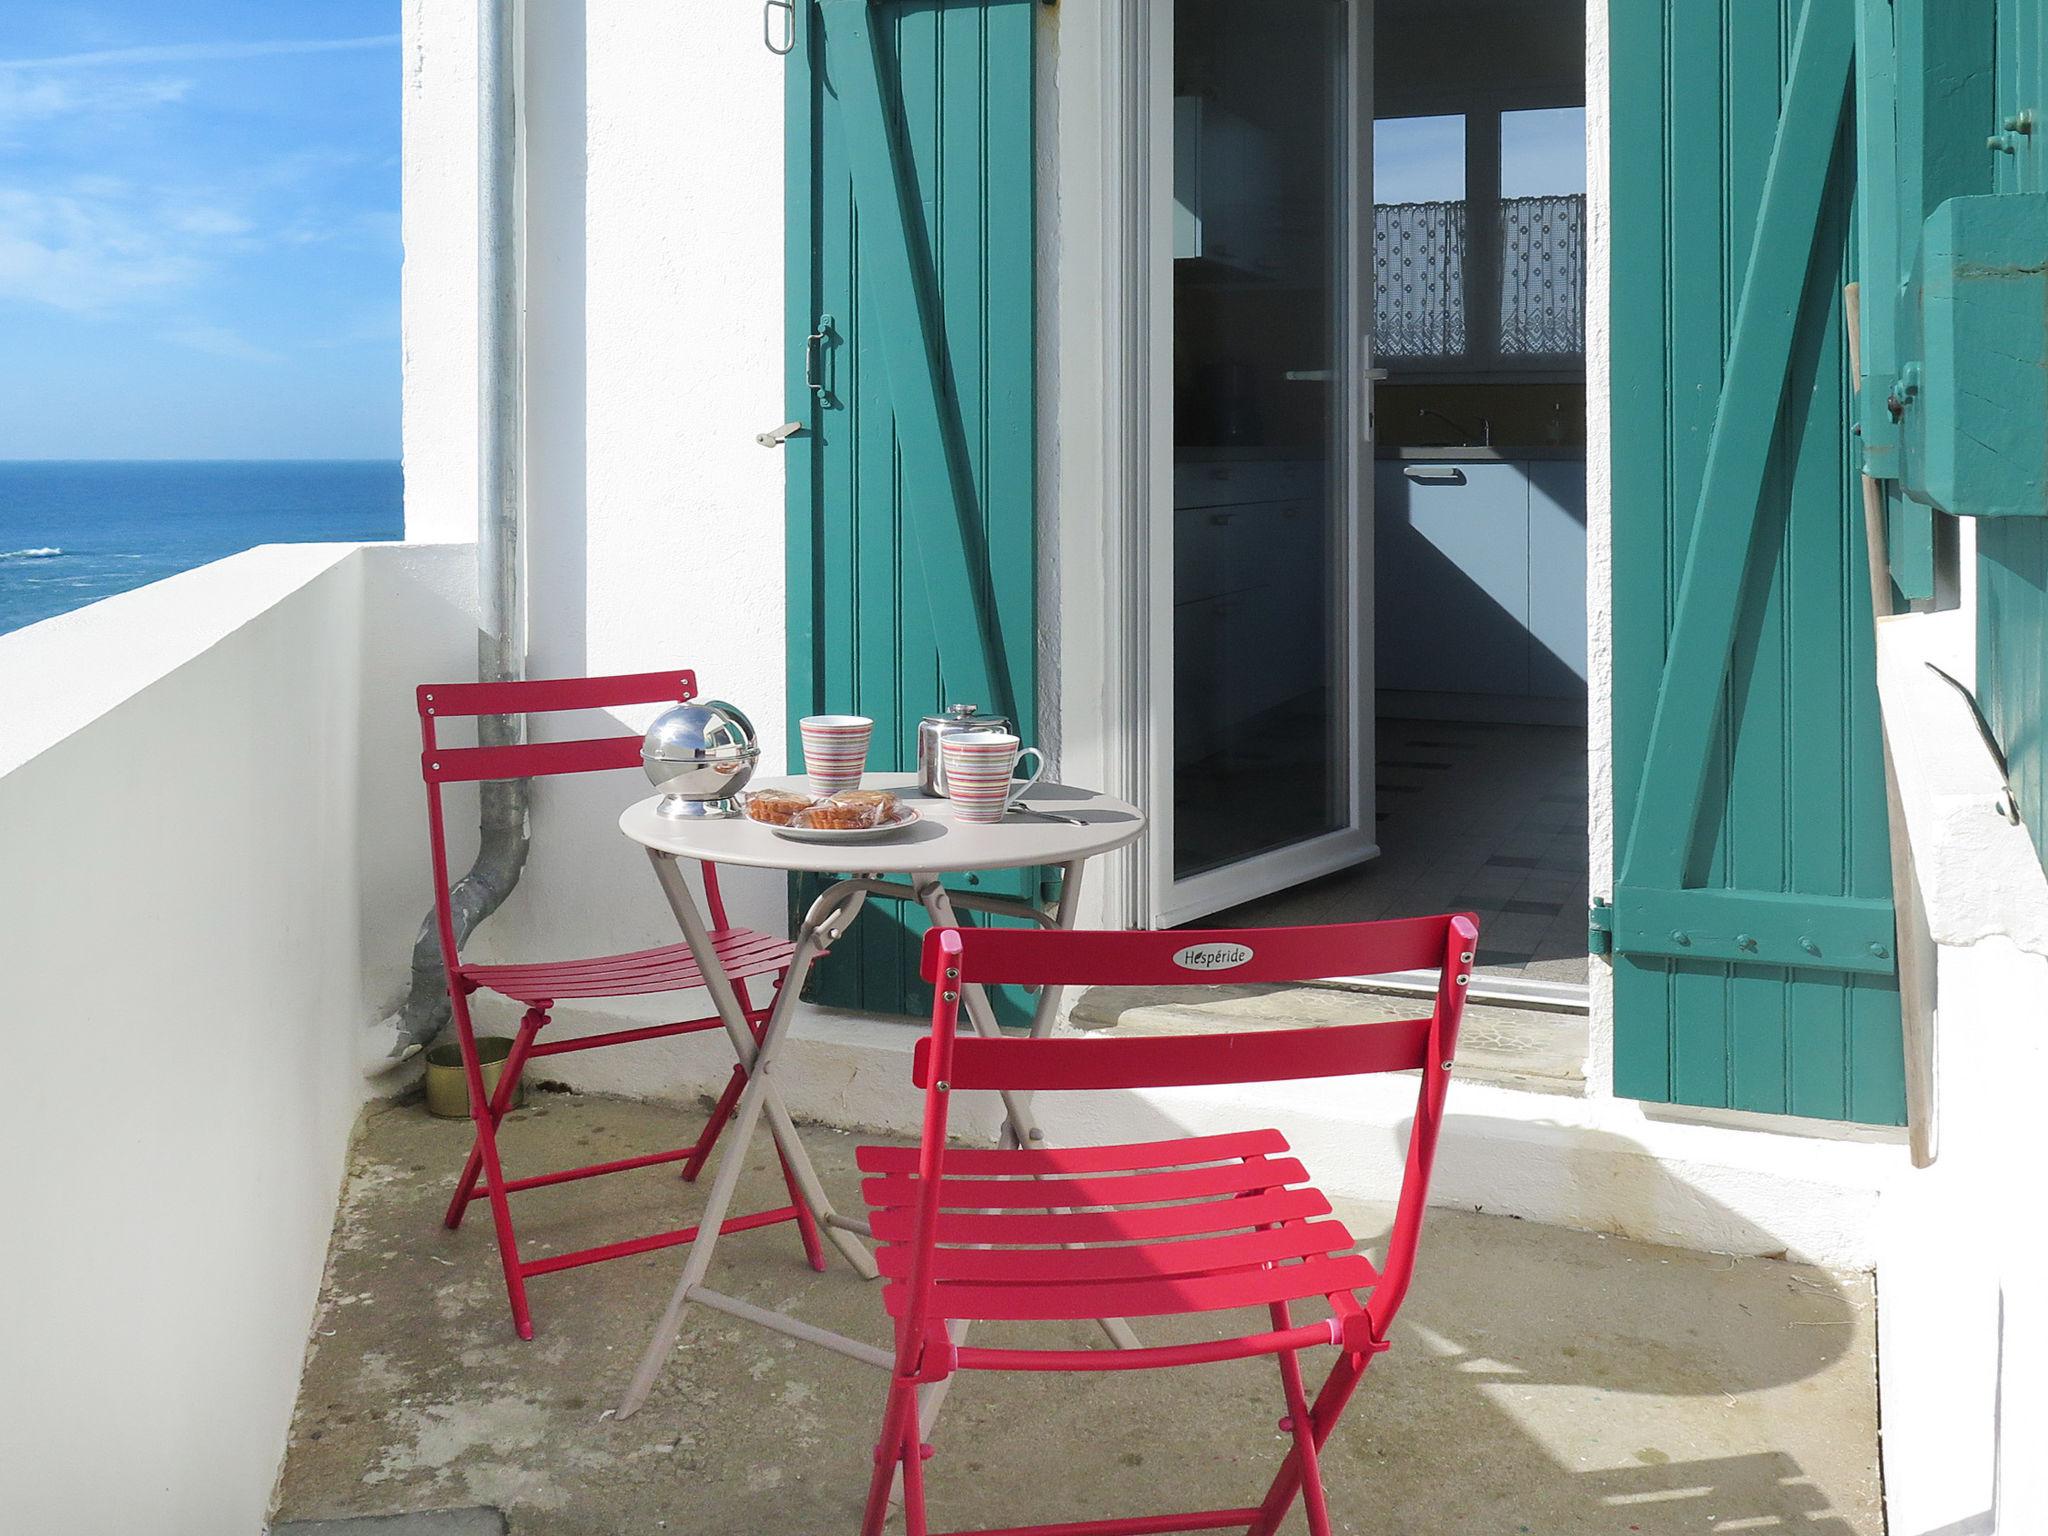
column 1096, row 218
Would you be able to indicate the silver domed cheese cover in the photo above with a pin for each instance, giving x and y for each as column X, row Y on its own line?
column 700, row 755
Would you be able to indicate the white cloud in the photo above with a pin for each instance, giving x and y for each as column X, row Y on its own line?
column 28, row 99
column 220, row 341
column 206, row 219
column 87, row 249
column 190, row 53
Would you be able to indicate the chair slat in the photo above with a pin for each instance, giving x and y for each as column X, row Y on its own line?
column 1109, row 1189
column 1172, row 1061
column 1185, row 1152
column 1141, row 1298
column 736, row 948
column 529, row 760
column 1189, row 956
column 673, row 969
column 1130, row 1261
column 899, row 1225
column 533, row 696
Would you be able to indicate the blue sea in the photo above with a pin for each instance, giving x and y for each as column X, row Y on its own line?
column 72, row 532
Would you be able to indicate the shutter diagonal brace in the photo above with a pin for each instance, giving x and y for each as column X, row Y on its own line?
column 1725, row 520
column 938, row 490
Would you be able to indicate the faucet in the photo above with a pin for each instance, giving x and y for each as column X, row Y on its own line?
column 1464, row 432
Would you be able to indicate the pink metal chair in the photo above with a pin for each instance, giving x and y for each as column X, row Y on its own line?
column 1197, row 1224
column 540, row 986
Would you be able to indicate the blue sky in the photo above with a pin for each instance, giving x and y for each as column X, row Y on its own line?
column 199, row 244
column 1422, row 159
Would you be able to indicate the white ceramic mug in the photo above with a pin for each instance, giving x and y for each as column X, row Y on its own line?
column 981, row 768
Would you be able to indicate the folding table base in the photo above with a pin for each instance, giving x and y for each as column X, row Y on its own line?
column 827, row 918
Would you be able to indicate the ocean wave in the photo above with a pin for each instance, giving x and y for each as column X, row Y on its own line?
column 30, row 554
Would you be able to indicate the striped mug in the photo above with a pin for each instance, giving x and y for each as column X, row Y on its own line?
column 835, row 751
column 980, row 772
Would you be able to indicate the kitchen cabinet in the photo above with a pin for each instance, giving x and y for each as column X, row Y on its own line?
column 1480, row 576
column 1557, row 579
column 1226, row 190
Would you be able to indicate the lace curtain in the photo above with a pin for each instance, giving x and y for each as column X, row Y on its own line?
column 1419, row 278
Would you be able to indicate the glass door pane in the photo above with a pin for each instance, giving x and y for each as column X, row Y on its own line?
column 1262, row 584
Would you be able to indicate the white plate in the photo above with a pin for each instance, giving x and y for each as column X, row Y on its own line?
column 906, row 816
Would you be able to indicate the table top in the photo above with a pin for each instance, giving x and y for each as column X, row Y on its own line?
column 939, row 844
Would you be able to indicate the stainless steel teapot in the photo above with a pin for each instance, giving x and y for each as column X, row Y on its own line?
column 932, row 729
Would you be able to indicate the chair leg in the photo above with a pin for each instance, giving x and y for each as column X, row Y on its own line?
column 493, row 1172
column 734, row 1085
column 720, row 1113
column 913, row 1477
column 501, row 1101
column 899, row 1417
column 1322, row 1418
column 1315, row 1500
column 806, row 1223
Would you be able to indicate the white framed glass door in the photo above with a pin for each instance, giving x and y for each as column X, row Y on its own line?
column 1260, row 663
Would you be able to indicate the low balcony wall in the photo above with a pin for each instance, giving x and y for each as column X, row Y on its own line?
column 210, row 833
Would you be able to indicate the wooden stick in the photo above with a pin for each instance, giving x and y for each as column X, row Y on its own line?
column 1915, row 943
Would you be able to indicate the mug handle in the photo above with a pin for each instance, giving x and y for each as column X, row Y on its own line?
column 1019, row 791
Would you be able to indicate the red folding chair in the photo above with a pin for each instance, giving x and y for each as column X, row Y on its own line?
column 540, row 986
column 1198, row 1224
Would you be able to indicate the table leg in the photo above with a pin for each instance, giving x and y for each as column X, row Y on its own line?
column 760, row 1097
column 1018, row 1125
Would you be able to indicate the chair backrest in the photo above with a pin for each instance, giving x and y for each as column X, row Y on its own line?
column 441, row 765
column 945, row 1063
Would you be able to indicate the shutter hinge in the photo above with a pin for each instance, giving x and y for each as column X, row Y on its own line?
column 1600, row 927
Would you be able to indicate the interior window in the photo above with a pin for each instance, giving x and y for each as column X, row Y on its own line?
column 1543, row 153
column 1419, row 236
column 1543, row 232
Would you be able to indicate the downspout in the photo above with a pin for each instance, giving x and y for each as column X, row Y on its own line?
column 501, row 508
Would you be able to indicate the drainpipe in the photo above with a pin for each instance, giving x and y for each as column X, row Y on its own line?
column 501, row 509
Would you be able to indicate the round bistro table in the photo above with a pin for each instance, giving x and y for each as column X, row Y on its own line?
column 1062, row 826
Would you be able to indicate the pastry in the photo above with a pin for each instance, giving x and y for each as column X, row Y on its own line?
column 883, row 802
column 777, row 807
column 840, row 814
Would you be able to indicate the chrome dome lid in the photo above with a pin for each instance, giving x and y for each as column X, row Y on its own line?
column 704, row 731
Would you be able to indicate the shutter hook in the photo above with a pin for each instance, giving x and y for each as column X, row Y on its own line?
column 768, row 10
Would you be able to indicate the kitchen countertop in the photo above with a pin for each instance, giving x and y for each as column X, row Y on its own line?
column 1505, row 454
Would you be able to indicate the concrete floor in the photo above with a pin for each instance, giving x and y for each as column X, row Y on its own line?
column 1542, row 1381
column 1474, row 816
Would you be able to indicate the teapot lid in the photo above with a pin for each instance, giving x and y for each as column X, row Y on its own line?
column 955, row 714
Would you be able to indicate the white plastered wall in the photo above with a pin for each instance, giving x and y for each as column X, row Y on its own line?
column 212, row 825
column 1963, row 1309
column 653, row 196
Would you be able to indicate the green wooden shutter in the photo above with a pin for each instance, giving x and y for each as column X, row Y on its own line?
column 912, row 549
column 1752, row 917
column 2012, row 552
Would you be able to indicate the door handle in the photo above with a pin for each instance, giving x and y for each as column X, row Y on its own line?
column 814, row 357
column 1434, row 474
